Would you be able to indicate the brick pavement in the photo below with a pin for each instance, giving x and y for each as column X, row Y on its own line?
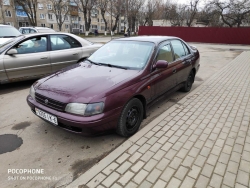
column 202, row 141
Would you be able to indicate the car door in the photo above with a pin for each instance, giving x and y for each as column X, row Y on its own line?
column 164, row 78
column 182, row 61
column 31, row 61
column 65, row 51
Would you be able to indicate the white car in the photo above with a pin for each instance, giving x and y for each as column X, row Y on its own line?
column 7, row 32
column 26, row 30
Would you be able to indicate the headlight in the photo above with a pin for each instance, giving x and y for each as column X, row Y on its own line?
column 32, row 92
column 85, row 109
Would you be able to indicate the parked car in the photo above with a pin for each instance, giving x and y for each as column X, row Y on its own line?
column 7, row 32
column 35, row 55
column 113, row 87
column 26, row 30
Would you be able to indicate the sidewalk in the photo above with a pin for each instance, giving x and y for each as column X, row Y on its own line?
column 202, row 141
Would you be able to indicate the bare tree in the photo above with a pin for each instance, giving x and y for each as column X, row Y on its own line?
column 191, row 11
column 210, row 16
column 175, row 13
column 151, row 8
column 103, row 6
column 30, row 8
column 232, row 12
column 115, row 9
column 86, row 6
column 134, row 7
column 60, row 8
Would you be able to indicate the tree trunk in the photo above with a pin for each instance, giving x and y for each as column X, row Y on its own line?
column 2, row 12
column 105, row 22
column 60, row 27
column 116, row 21
column 133, row 24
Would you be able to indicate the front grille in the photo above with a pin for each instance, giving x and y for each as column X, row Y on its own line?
column 56, row 105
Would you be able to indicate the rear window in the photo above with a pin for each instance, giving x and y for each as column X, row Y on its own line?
column 8, row 31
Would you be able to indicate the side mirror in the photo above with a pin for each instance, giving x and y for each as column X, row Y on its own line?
column 12, row 51
column 160, row 64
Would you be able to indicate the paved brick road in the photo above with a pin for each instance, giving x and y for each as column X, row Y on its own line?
column 202, row 141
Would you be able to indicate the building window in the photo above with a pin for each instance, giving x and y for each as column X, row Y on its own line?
column 50, row 17
column 8, row 23
column 7, row 13
column 66, row 26
column 43, row 25
column 23, row 24
column 51, row 26
column 79, row 18
column 66, row 18
column 6, row 2
column 40, row 6
column 49, row 7
column 42, row 17
column 75, row 26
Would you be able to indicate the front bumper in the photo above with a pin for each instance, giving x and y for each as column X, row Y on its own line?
column 87, row 126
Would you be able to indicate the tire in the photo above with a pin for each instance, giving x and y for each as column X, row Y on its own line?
column 188, row 83
column 131, row 118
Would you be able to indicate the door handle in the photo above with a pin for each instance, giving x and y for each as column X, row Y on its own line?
column 75, row 54
column 44, row 57
column 174, row 71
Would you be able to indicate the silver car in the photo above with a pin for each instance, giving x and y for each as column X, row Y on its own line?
column 35, row 55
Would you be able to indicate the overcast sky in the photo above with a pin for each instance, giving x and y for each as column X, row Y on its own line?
column 186, row 2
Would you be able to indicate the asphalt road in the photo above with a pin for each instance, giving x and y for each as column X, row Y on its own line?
column 63, row 156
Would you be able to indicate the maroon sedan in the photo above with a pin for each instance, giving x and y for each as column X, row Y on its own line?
column 113, row 87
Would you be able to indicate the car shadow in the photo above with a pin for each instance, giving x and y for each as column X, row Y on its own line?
column 15, row 86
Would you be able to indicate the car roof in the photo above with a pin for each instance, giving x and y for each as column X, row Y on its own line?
column 154, row 39
column 81, row 40
column 46, row 33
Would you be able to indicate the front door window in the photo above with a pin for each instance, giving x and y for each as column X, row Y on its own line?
column 32, row 45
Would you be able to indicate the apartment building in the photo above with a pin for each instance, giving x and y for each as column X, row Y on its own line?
column 74, row 20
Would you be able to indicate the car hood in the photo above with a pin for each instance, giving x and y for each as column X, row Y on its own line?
column 83, row 83
column 3, row 40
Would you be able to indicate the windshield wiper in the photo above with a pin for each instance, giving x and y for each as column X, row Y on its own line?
column 116, row 66
column 104, row 64
column 92, row 62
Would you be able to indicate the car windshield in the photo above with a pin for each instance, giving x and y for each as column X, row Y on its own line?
column 123, row 54
column 9, row 43
column 8, row 31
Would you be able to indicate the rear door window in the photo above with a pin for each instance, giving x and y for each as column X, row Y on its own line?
column 62, row 42
column 178, row 49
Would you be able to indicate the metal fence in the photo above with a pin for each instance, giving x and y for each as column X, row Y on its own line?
column 201, row 34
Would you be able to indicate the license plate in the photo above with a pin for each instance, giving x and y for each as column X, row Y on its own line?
column 46, row 116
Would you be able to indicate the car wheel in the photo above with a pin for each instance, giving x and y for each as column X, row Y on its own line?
column 131, row 118
column 189, row 82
